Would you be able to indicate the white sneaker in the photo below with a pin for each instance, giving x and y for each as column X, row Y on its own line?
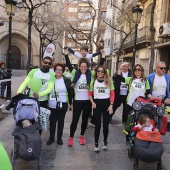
column 96, row 149
column 104, row 147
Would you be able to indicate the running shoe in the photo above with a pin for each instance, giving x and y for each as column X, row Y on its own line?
column 96, row 149
column 104, row 147
column 70, row 142
column 81, row 140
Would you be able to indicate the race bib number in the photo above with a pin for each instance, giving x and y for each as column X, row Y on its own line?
column 54, row 97
column 82, row 87
column 101, row 91
column 123, row 86
column 138, row 85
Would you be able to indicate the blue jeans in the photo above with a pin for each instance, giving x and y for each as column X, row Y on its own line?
column 3, row 87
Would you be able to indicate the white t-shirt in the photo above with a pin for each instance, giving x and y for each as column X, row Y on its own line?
column 101, row 91
column 81, row 92
column 61, row 92
column 123, row 86
column 146, row 128
column 159, row 87
column 137, row 88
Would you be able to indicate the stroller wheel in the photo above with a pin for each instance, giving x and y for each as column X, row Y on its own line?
column 130, row 152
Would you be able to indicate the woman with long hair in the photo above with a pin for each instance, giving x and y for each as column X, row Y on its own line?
column 138, row 85
column 101, row 95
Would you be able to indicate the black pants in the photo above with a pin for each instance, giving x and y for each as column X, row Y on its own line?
column 118, row 101
column 101, row 109
column 78, row 107
column 54, row 117
column 43, row 104
column 128, row 109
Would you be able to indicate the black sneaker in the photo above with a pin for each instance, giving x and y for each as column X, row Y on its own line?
column 60, row 141
column 50, row 141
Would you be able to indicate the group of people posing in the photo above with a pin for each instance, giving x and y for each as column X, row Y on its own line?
column 92, row 90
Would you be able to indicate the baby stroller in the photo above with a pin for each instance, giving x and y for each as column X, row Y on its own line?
column 148, row 150
column 27, row 140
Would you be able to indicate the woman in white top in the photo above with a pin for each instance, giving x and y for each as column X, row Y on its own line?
column 81, row 103
column 58, row 103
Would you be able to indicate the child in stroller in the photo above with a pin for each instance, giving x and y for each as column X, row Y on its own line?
column 27, row 140
column 146, row 144
column 144, row 124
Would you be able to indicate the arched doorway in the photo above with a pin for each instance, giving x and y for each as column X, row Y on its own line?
column 15, row 57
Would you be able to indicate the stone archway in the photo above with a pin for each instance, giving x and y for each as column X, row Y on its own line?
column 15, row 57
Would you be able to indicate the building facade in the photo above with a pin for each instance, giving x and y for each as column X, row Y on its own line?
column 19, row 40
column 123, row 32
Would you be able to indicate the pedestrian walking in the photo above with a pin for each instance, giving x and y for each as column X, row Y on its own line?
column 3, row 75
column 102, row 89
column 121, row 90
column 58, row 103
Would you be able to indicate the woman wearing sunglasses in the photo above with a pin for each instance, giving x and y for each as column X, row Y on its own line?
column 102, row 90
column 138, row 85
column 58, row 103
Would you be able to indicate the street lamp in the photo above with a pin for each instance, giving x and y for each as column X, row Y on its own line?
column 10, row 9
column 137, row 14
column 101, row 42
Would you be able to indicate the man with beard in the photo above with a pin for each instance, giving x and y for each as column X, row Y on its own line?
column 47, row 79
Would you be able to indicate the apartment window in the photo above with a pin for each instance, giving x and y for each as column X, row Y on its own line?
column 108, row 43
column 72, row 10
column 104, row 14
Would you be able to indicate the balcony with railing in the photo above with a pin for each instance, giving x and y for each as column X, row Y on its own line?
column 143, row 37
column 127, row 7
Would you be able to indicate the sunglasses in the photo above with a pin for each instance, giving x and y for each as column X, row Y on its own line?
column 100, row 71
column 49, row 63
column 138, row 69
column 162, row 68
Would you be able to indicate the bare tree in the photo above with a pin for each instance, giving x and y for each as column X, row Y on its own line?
column 86, row 29
column 126, row 17
column 31, row 6
column 47, row 22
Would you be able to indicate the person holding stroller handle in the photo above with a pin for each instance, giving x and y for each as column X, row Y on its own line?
column 58, row 103
column 47, row 79
column 160, row 82
column 138, row 85
column 102, row 89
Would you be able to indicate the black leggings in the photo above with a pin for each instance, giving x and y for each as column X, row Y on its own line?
column 101, row 107
column 54, row 117
column 78, row 107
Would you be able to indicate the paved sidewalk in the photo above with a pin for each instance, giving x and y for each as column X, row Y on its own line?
column 81, row 157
